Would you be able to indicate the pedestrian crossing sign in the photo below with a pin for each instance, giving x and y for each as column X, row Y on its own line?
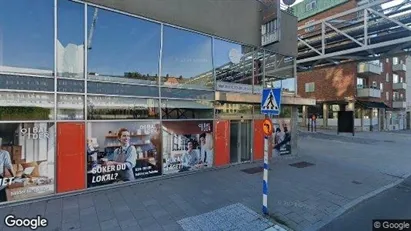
column 271, row 101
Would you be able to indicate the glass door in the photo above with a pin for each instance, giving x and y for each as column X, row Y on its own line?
column 234, row 141
column 245, row 145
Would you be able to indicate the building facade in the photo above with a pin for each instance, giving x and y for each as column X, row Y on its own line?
column 92, row 95
column 375, row 90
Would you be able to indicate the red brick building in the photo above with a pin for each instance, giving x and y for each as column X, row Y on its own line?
column 375, row 90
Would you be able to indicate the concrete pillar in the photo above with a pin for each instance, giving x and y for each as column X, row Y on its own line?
column 294, row 130
column 371, row 116
column 325, row 115
column 362, row 118
column 305, row 111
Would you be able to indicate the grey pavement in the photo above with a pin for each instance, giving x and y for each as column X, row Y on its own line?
column 394, row 203
column 342, row 174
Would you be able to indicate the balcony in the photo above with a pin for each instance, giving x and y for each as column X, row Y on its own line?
column 399, row 68
column 367, row 92
column 399, row 86
column 399, row 104
column 368, row 69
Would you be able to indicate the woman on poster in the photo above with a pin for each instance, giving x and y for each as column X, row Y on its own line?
column 126, row 155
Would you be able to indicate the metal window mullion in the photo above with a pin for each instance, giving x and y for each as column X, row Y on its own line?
column 55, row 93
column 85, row 73
column 214, row 76
column 160, row 57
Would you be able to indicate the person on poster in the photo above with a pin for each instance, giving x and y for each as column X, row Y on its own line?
column 206, row 156
column 278, row 138
column 125, row 154
column 5, row 165
column 190, row 158
column 285, row 141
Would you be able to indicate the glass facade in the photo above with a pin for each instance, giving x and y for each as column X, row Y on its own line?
column 128, row 95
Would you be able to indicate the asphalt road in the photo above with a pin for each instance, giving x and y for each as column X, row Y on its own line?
column 395, row 203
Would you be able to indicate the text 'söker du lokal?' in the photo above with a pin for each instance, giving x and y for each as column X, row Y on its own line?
column 109, row 172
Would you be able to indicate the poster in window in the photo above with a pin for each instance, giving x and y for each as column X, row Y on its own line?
column 282, row 136
column 122, row 152
column 27, row 152
column 187, row 146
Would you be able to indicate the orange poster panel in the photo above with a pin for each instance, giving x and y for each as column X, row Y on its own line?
column 71, row 164
column 222, row 142
column 258, row 140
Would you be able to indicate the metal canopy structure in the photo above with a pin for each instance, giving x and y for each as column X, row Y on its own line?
column 365, row 33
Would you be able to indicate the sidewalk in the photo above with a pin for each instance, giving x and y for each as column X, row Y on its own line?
column 300, row 198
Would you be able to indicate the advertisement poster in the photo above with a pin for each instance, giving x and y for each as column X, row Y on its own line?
column 282, row 136
column 26, row 160
column 122, row 151
column 187, row 146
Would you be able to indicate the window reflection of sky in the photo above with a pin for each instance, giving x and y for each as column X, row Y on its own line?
column 120, row 43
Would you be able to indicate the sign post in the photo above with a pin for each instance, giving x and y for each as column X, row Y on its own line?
column 268, row 130
column 270, row 105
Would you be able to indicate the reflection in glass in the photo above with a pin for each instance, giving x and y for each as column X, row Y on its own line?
column 26, row 106
column 121, row 89
column 186, row 93
column 186, row 59
column 70, row 39
column 102, row 108
column 70, row 107
column 23, row 82
column 279, row 71
column 122, row 48
column 233, row 64
column 185, row 109
column 232, row 108
column 68, row 85
column 258, row 71
column 26, row 37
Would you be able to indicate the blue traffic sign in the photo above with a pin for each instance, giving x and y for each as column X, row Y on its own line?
column 271, row 101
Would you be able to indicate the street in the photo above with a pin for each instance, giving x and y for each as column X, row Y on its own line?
column 394, row 203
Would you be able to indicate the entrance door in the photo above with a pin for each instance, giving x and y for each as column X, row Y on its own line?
column 408, row 122
column 240, row 141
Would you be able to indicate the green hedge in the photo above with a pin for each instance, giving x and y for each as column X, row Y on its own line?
column 24, row 113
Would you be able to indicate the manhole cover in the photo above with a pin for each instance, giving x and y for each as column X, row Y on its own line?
column 356, row 182
column 302, row 164
column 253, row 170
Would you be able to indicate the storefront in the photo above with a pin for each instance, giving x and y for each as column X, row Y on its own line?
column 120, row 108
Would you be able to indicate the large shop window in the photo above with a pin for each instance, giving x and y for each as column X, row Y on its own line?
column 187, row 146
column 27, row 37
column 122, row 151
column 186, row 59
column 70, row 39
column 279, row 71
column 122, row 48
column 70, row 107
column 120, row 108
column 233, row 66
column 26, row 106
column 187, row 109
column 27, row 160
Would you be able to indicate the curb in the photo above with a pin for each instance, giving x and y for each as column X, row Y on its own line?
column 319, row 225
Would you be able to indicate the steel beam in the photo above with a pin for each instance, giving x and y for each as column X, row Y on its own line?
column 358, row 49
column 389, row 19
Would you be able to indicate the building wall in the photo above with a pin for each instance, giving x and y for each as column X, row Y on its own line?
column 220, row 18
column 339, row 8
column 331, row 83
column 322, row 5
